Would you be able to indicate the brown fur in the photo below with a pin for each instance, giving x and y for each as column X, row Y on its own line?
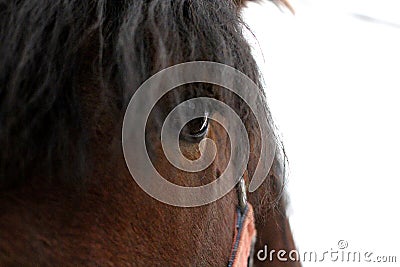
column 106, row 219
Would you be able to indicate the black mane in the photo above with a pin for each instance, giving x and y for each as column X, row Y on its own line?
column 51, row 50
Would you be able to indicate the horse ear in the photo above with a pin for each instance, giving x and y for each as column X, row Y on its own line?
column 279, row 3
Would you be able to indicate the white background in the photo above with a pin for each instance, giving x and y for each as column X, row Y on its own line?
column 333, row 86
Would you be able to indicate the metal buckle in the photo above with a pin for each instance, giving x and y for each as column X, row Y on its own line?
column 242, row 195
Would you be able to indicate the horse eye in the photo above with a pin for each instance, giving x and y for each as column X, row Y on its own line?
column 195, row 130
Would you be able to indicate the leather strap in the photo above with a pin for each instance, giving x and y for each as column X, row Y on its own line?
column 244, row 238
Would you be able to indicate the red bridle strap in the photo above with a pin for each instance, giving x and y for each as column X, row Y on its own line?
column 244, row 238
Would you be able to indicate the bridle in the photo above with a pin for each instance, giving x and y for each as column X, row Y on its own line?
column 245, row 232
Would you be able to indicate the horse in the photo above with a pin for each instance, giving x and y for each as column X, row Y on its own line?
column 69, row 69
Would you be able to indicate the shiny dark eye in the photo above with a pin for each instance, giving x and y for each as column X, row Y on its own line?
column 195, row 130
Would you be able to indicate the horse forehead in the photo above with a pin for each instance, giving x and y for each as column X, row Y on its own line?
column 108, row 218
